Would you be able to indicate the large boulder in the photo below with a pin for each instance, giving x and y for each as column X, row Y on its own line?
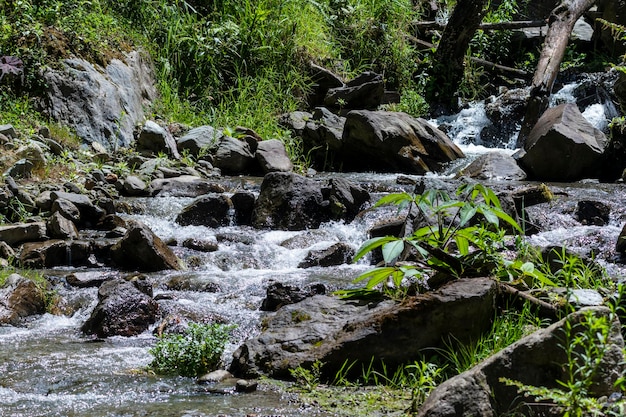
column 334, row 331
column 20, row 297
column 140, row 249
column 212, row 210
column 102, row 105
column 394, row 141
column 291, row 202
column 321, row 138
column 90, row 214
column 122, row 310
column 538, row 360
column 364, row 92
column 563, row 146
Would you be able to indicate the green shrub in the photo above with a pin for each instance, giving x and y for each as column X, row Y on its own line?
column 194, row 353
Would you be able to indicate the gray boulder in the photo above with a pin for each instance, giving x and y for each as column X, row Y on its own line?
column 33, row 153
column 494, row 166
column 135, row 186
column 14, row 234
column 20, row 297
column 122, row 310
column 290, row 202
column 90, row 214
column 233, row 156
column 20, row 169
column 140, row 249
column 212, row 210
column 394, row 141
column 157, row 139
column 279, row 295
column 103, row 105
column 321, row 137
column 563, row 146
column 334, row 331
column 538, row 360
column 199, row 139
column 272, row 156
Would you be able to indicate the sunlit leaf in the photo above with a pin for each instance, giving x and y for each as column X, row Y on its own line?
column 371, row 244
column 392, row 250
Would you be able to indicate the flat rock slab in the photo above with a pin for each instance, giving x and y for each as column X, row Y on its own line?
column 334, row 331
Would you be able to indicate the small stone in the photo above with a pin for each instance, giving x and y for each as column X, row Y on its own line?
column 246, row 385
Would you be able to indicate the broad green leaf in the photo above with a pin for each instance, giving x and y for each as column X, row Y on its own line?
column 375, row 276
column 396, row 198
column 371, row 244
column 466, row 214
column 490, row 216
column 392, row 250
column 462, row 243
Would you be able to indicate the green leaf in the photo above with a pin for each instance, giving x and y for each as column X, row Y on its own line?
column 371, row 244
column 396, row 198
column 467, row 213
column 462, row 243
column 392, row 250
column 490, row 216
column 375, row 276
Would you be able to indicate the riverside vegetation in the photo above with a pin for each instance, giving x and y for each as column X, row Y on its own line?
column 242, row 63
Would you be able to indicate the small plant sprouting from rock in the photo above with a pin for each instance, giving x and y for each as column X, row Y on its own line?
column 194, row 353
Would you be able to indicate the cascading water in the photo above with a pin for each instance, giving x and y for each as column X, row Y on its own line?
column 49, row 368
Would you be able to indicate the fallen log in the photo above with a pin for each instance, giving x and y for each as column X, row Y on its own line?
column 520, row 24
column 560, row 25
column 503, row 69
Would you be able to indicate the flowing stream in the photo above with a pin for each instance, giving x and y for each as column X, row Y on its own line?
column 49, row 368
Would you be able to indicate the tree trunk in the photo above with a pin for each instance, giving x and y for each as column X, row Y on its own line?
column 447, row 71
column 560, row 25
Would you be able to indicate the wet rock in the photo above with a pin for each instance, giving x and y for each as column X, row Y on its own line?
column 346, row 199
column 620, row 245
column 394, row 141
column 337, row 254
column 272, row 156
column 215, row 376
column 56, row 253
column 212, row 210
column 122, row 310
column 200, row 245
column 593, row 212
column 184, row 186
column 140, row 249
column 192, row 282
column 87, row 280
column 103, row 105
column 364, row 92
column 135, row 186
column 60, row 227
column 199, row 139
column 279, row 295
column 14, row 234
column 290, row 202
column 20, row 297
column 563, row 146
column 494, row 166
column 157, row 139
column 233, row 156
column 506, row 112
column 307, row 239
column 333, row 331
column 538, row 360
column 243, row 203
column 246, row 385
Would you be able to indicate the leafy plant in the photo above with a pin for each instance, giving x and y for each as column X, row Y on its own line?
column 463, row 239
column 197, row 351
column 307, row 379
